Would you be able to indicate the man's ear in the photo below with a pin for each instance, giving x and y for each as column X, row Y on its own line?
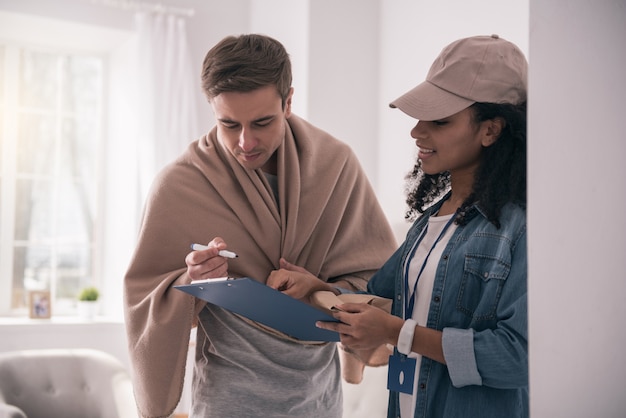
column 288, row 103
column 493, row 129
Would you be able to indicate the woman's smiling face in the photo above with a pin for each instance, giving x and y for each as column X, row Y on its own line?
column 452, row 144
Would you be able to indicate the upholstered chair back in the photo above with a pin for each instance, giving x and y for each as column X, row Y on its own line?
column 68, row 383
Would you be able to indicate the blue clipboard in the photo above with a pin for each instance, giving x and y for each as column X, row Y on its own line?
column 263, row 304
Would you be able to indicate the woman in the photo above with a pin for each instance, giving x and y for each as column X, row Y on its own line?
column 458, row 282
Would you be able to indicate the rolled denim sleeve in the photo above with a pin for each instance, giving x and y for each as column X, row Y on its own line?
column 458, row 350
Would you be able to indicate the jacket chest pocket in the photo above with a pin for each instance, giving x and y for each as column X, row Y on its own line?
column 481, row 286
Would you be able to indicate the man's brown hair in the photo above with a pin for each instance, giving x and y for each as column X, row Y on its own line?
column 245, row 63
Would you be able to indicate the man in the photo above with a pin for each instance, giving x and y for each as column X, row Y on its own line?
column 271, row 187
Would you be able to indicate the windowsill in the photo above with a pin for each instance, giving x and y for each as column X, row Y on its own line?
column 59, row 320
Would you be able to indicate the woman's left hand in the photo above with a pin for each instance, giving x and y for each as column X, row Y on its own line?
column 364, row 326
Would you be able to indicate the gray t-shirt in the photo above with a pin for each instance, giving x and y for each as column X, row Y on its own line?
column 242, row 371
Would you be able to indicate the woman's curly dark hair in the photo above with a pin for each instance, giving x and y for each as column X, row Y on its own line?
column 501, row 175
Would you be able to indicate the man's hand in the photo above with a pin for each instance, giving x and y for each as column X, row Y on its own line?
column 207, row 264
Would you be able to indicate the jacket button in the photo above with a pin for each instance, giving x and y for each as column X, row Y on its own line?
column 422, row 385
column 437, row 299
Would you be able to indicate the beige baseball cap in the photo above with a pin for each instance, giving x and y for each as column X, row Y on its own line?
column 485, row 69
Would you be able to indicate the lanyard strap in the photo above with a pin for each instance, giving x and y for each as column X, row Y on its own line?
column 410, row 301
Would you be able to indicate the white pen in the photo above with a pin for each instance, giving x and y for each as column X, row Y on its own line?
column 223, row 253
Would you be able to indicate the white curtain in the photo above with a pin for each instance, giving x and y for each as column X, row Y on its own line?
column 166, row 84
column 161, row 118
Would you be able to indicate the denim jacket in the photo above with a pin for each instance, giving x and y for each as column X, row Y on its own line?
column 479, row 302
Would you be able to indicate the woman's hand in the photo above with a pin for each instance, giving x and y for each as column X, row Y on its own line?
column 295, row 281
column 364, row 326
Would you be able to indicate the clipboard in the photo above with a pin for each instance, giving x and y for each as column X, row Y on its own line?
column 263, row 304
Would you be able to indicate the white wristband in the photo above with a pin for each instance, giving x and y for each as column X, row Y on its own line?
column 405, row 339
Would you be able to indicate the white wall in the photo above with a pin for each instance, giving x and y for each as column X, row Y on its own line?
column 577, row 202
column 334, row 52
column 293, row 33
column 344, row 73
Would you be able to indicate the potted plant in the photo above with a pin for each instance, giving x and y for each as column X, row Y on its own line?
column 88, row 302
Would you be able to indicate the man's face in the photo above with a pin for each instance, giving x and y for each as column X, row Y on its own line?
column 251, row 125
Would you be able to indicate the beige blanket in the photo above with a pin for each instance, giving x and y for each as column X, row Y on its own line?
column 326, row 219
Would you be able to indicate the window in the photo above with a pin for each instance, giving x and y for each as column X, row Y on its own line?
column 69, row 174
column 50, row 173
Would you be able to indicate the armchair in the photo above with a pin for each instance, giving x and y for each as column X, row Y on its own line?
column 68, row 383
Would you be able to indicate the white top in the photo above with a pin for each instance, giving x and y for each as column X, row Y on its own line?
column 424, row 289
